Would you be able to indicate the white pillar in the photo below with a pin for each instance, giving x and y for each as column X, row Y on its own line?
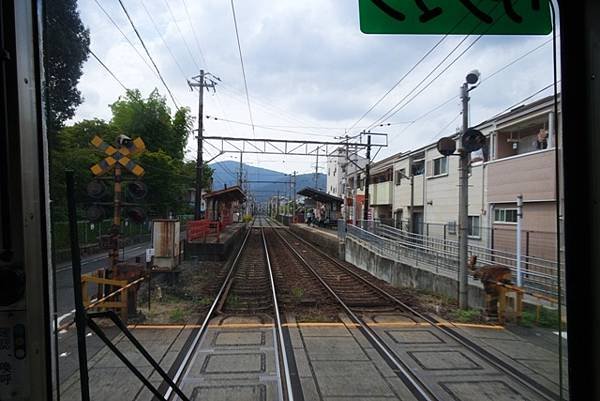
column 519, row 222
column 551, row 129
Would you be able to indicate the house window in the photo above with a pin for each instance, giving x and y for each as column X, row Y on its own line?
column 505, row 215
column 418, row 167
column 474, row 227
column 399, row 175
column 451, row 227
column 440, row 166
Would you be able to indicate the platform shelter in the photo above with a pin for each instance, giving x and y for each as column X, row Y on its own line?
column 327, row 207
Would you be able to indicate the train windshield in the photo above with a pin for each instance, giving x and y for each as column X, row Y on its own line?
column 313, row 200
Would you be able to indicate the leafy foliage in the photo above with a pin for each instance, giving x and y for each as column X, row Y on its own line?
column 66, row 48
column 150, row 118
column 168, row 176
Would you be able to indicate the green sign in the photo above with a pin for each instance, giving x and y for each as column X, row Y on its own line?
column 491, row 17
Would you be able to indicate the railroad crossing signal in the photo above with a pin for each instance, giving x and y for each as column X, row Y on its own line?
column 120, row 156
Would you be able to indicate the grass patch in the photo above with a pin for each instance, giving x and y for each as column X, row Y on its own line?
column 548, row 318
column 315, row 315
column 466, row 315
column 177, row 316
column 297, row 293
column 203, row 301
column 234, row 302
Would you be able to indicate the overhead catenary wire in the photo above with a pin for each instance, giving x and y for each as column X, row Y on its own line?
column 268, row 127
column 135, row 49
column 485, row 79
column 526, row 99
column 237, row 35
column 194, row 33
column 391, row 112
column 396, row 108
column 163, row 39
column 406, row 74
column 99, row 60
column 148, row 53
column 181, row 35
column 112, row 74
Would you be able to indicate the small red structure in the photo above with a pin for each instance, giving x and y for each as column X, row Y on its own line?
column 220, row 207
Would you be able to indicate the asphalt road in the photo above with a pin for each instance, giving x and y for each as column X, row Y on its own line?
column 67, row 339
column 64, row 276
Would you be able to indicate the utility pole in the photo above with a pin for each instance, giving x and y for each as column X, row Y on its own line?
column 367, row 178
column 116, row 227
column 463, row 205
column 317, row 171
column 204, row 80
column 241, row 171
column 345, row 182
column 294, row 195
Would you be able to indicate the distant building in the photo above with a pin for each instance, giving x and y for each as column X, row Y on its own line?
column 418, row 190
column 345, row 179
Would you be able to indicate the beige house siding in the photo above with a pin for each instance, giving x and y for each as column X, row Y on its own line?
column 538, row 231
column 531, row 175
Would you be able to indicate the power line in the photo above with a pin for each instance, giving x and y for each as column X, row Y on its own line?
column 526, row 99
column 187, row 11
column 266, row 106
column 267, row 127
column 237, row 35
column 108, row 69
column 98, row 59
column 163, row 39
column 399, row 81
column 181, row 34
column 125, row 36
column 148, row 53
column 487, row 78
column 441, row 132
column 392, row 111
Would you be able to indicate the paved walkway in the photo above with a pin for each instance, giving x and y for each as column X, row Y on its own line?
column 237, row 361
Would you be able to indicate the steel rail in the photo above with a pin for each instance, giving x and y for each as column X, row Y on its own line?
column 470, row 345
column 416, row 386
column 203, row 328
column 279, row 326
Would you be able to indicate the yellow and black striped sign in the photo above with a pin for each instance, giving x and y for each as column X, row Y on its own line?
column 121, row 156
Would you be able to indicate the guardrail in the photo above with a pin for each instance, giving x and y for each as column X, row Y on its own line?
column 538, row 275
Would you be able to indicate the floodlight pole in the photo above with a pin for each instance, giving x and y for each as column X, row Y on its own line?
column 367, row 179
column 463, row 206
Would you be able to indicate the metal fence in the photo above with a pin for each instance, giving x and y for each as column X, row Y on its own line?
column 534, row 243
column 538, row 274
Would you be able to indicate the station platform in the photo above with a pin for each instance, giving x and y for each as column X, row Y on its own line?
column 327, row 240
column 213, row 247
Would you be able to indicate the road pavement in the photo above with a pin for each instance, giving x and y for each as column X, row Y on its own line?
column 67, row 339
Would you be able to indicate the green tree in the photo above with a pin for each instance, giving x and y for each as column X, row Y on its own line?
column 168, row 177
column 66, row 48
column 151, row 119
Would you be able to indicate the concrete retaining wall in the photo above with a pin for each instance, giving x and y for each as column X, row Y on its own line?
column 404, row 275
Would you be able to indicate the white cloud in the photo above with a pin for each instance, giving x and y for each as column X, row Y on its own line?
column 307, row 64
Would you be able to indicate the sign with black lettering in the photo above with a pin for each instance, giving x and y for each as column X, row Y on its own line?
column 13, row 354
column 461, row 17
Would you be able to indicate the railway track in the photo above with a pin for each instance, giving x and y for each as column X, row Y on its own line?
column 248, row 288
column 358, row 295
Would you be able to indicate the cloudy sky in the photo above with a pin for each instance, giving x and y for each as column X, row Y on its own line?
column 309, row 70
